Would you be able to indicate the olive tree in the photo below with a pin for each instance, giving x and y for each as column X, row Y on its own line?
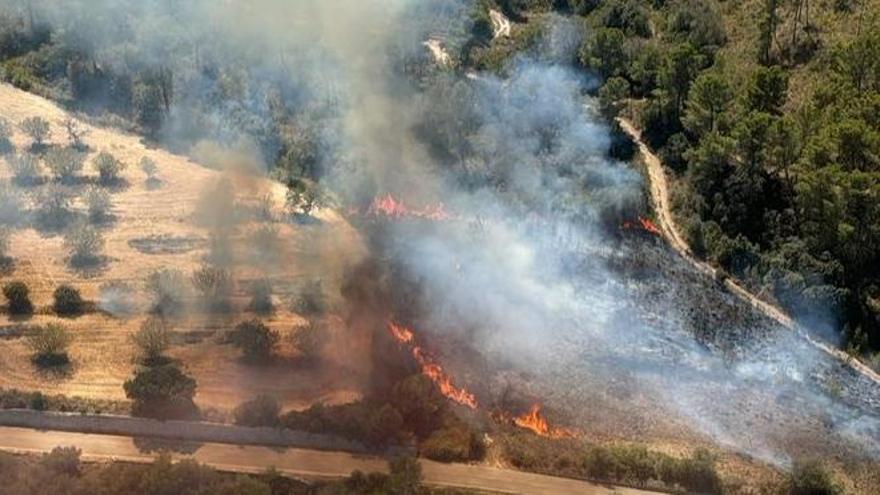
column 256, row 340
column 37, row 128
column 98, row 203
column 49, row 345
column 310, row 339
column 53, row 206
column 149, row 168
column 5, row 136
column 11, row 206
column 18, row 298
column 75, row 132
column 67, row 301
column 85, row 245
column 214, row 284
column 25, row 169
column 168, row 288
column 152, row 340
column 65, row 163
column 108, row 167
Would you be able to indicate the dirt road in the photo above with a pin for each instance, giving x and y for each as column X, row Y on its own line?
column 303, row 463
column 659, row 189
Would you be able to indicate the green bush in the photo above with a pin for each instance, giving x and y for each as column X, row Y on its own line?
column 108, row 167
column 18, row 298
column 162, row 392
column 256, row 340
column 67, row 301
column 262, row 410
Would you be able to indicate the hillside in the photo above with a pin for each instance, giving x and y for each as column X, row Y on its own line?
column 143, row 214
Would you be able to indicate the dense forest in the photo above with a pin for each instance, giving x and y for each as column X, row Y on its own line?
column 766, row 112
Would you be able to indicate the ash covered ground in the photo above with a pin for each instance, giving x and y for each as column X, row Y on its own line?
column 672, row 356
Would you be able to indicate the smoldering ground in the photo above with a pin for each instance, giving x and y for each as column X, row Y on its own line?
column 530, row 270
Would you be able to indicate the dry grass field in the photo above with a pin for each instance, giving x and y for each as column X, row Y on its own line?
column 102, row 356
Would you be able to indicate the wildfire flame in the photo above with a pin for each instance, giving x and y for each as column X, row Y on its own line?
column 389, row 206
column 432, row 369
column 535, row 421
column 644, row 224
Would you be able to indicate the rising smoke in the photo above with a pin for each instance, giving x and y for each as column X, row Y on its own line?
column 527, row 269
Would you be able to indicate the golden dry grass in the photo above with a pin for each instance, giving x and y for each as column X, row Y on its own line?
column 102, row 355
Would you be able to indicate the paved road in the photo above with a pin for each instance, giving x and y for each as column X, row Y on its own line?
column 662, row 205
column 303, row 463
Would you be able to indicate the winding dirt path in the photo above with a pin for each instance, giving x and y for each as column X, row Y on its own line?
column 659, row 188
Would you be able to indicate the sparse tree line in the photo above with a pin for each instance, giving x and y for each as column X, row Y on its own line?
column 183, row 83
column 63, row 471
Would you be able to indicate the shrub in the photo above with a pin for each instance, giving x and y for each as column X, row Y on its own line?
column 168, row 288
column 263, row 410
column 108, row 167
column 85, row 244
column 5, row 135
column 266, row 242
column 18, row 298
column 98, row 202
column 152, row 340
column 53, row 206
column 310, row 339
column 75, row 132
column 162, row 392
column 37, row 128
column 65, row 163
column 453, row 443
column 67, row 301
column 215, row 285
column 311, row 299
column 25, row 169
column 261, row 297
column 11, row 206
column 149, row 167
column 49, row 345
column 255, row 339
column 811, row 478
column 63, row 460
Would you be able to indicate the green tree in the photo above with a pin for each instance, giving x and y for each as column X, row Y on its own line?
column 709, row 98
column 18, row 298
column 767, row 90
column 161, row 391
column 611, row 94
column 683, row 63
column 606, row 53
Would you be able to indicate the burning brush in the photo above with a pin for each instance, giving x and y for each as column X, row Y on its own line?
column 534, row 420
column 643, row 224
column 389, row 206
column 431, row 368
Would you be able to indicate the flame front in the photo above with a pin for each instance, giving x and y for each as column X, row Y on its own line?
column 644, row 224
column 535, row 421
column 431, row 369
column 389, row 206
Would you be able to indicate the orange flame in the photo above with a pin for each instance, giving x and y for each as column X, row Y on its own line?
column 431, row 369
column 389, row 206
column 644, row 224
column 535, row 421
